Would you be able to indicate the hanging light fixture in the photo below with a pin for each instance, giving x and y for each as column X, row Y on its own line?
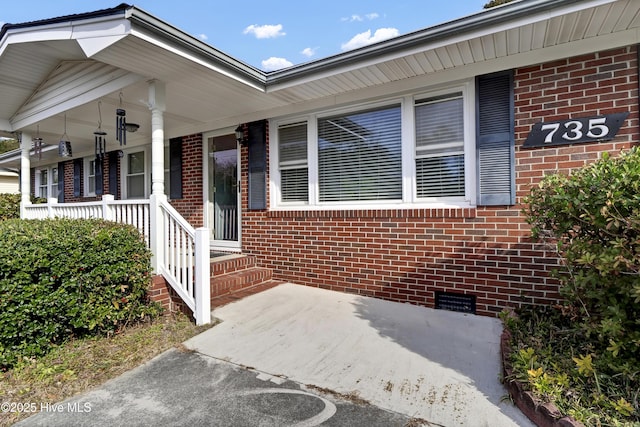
column 122, row 126
column 99, row 136
column 64, row 146
column 37, row 143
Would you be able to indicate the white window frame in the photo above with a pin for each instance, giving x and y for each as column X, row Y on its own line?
column 409, row 184
column 124, row 171
column 50, row 184
column 87, row 169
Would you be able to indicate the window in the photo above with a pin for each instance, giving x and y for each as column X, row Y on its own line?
column 47, row 182
column 135, row 176
column 360, row 156
column 439, row 135
column 292, row 156
column 416, row 150
column 90, row 173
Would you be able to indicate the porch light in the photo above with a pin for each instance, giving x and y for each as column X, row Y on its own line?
column 131, row 127
column 240, row 135
column 64, row 146
column 122, row 126
column 99, row 136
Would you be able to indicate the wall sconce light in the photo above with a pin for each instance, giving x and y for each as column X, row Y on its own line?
column 240, row 135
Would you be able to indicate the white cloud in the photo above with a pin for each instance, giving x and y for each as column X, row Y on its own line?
column 265, row 31
column 309, row 51
column 364, row 39
column 360, row 18
column 274, row 63
column 203, row 36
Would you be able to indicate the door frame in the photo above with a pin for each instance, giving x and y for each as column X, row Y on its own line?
column 222, row 245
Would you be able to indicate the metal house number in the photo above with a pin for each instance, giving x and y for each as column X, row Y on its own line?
column 573, row 131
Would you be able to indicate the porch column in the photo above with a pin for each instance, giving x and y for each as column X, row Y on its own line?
column 25, row 173
column 157, row 239
column 157, row 106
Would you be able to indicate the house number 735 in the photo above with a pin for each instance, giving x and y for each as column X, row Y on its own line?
column 587, row 129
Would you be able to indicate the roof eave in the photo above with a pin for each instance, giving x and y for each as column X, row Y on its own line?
column 486, row 19
column 144, row 21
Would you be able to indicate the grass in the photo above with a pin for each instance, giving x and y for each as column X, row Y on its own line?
column 80, row 365
column 553, row 357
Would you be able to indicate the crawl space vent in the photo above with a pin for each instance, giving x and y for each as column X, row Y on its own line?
column 456, row 302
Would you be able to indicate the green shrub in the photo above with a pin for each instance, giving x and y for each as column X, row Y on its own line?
column 68, row 278
column 593, row 218
column 9, row 206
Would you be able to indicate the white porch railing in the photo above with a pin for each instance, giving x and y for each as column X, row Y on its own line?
column 181, row 253
column 184, row 260
column 132, row 212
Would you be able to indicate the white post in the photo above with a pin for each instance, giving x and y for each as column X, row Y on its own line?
column 203, row 277
column 157, row 240
column 157, row 104
column 107, row 207
column 51, row 202
column 25, row 174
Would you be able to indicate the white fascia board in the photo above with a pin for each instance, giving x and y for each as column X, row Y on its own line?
column 94, row 37
column 193, row 58
column 109, row 27
column 394, row 48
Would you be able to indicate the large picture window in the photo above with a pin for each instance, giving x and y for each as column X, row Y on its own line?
column 360, row 156
column 415, row 150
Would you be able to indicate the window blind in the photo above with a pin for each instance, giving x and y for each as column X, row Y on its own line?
column 440, row 146
column 359, row 156
column 292, row 157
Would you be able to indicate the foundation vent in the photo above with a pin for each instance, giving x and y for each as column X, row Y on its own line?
column 456, row 302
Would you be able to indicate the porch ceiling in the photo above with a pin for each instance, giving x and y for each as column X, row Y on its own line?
column 207, row 89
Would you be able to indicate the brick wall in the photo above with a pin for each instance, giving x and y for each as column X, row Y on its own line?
column 191, row 204
column 406, row 255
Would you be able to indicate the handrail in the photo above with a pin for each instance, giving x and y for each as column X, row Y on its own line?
column 185, row 262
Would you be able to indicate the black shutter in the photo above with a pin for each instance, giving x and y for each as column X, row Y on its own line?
column 257, row 165
column 32, row 182
column 113, row 174
column 175, row 168
column 60, row 182
column 77, row 177
column 495, row 149
column 98, row 178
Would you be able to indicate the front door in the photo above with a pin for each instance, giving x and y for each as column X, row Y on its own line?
column 224, row 195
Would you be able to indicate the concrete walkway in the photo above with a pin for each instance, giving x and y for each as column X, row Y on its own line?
column 436, row 365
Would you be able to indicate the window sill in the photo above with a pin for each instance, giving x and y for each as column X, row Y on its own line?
column 405, row 212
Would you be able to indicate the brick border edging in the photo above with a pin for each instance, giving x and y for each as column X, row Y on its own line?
column 543, row 414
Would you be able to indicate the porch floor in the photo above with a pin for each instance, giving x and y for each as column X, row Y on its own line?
column 437, row 365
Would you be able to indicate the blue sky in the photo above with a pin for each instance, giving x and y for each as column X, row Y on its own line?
column 275, row 33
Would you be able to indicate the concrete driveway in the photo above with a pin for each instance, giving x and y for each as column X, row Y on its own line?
column 440, row 366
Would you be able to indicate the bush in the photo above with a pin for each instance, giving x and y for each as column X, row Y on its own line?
column 68, row 278
column 9, row 206
column 593, row 219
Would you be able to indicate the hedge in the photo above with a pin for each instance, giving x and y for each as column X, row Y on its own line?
column 68, row 278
